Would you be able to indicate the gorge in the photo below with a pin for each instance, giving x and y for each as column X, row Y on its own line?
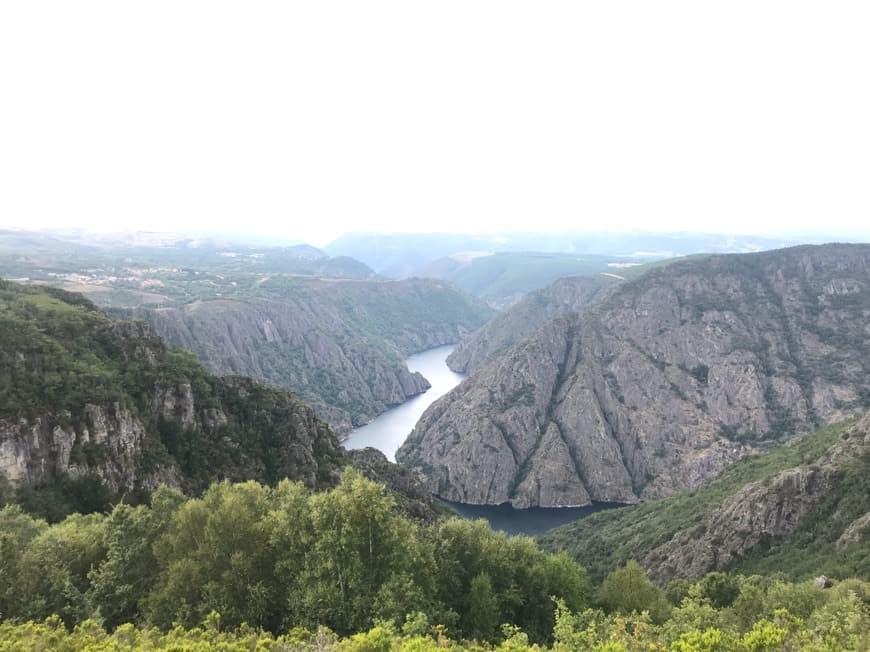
column 659, row 386
column 388, row 431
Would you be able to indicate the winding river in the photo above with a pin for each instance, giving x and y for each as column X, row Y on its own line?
column 389, row 431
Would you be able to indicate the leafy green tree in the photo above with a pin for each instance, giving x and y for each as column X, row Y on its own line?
column 628, row 590
column 482, row 615
column 119, row 585
column 214, row 557
column 749, row 603
column 55, row 566
column 720, row 589
column 17, row 532
column 677, row 590
column 359, row 543
column 799, row 599
column 843, row 623
column 693, row 615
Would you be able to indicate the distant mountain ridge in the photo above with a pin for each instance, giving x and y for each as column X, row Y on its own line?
column 162, row 269
column 502, row 279
column 400, row 255
column 659, row 386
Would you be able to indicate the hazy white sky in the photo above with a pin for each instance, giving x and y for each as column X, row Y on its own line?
column 313, row 118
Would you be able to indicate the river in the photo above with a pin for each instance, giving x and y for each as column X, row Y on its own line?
column 389, row 431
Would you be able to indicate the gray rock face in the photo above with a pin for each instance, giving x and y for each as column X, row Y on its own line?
column 759, row 511
column 339, row 345
column 165, row 423
column 857, row 531
column 660, row 385
column 38, row 450
column 765, row 510
column 565, row 296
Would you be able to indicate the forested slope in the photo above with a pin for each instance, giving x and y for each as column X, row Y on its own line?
column 92, row 408
column 800, row 510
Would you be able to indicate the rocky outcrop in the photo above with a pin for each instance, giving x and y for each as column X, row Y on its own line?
column 567, row 295
column 339, row 345
column 759, row 512
column 857, row 531
column 105, row 441
column 790, row 509
column 763, row 511
column 265, row 436
column 84, row 395
column 660, row 385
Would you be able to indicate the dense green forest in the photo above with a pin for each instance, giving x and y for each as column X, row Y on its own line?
column 248, row 567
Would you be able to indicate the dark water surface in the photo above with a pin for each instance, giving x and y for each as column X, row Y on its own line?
column 389, row 431
column 531, row 521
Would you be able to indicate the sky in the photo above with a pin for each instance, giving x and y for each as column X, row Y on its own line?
column 309, row 119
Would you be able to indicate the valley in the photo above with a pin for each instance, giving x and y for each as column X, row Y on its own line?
column 388, row 432
column 659, row 386
column 434, row 327
column 327, row 329
column 676, row 415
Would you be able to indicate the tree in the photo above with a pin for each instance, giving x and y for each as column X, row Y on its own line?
column 359, row 544
column 628, row 590
column 720, row 589
column 54, row 568
column 215, row 557
column 17, row 531
column 482, row 614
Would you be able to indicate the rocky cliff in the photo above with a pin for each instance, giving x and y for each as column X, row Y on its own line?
column 798, row 508
column 660, row 385
column 564, row 296
column 339, row 345
column 83, row 396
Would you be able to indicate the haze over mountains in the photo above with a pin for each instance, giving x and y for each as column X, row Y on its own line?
column 406, row 254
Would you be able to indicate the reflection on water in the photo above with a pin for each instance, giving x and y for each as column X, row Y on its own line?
column 389, row 430
column 531, row 521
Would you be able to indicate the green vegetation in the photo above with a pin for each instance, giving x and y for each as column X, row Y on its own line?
column 607, row 539
column 127, row 274
column 276, row 558
column 59, row 355
column 251, row 567
column 56, row 351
